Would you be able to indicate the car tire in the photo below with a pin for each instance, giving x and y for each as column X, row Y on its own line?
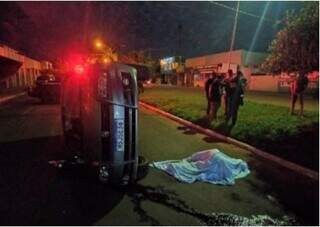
column 143, row 168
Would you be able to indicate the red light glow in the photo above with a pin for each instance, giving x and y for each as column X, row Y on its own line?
column 79, row 69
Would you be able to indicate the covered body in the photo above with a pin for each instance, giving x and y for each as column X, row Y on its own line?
column 210, row 166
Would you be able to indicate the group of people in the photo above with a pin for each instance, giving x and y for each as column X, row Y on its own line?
column 229, row 88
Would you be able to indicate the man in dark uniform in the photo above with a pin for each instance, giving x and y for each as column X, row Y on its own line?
column 140, row 86
column 215, row 91
column 229, row 88
column 207, row 87
column 237, row 96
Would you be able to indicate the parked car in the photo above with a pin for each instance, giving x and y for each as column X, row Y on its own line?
column 46, row 88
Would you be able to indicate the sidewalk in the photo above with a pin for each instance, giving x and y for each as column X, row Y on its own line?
column 11, row 94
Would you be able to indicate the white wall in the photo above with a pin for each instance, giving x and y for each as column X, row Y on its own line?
column 214, row 59
column 264, row 83
column 27, row 72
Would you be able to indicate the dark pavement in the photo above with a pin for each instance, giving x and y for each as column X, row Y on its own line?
column 34, row 193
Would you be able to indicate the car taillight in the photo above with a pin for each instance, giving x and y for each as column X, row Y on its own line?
column 102, row 85
column 79, row 69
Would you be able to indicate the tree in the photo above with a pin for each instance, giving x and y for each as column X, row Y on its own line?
column 296, row 46
column 17, row 30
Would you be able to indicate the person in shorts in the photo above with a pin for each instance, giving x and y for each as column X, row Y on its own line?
column 298, row 87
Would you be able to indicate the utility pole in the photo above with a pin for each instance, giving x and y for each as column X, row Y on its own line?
column 101, row 22
column 86, row 24
column 179, row 39
column 233, row 33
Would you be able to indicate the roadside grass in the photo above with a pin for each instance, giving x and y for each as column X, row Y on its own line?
column 280, row 99
column 267, row 126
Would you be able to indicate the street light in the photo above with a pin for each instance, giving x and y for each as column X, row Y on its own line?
column 106, row 60
column 98, row 44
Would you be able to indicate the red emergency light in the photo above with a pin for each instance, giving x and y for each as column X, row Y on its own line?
column 79, row 69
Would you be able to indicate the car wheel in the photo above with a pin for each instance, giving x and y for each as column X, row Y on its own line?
column 143, row 168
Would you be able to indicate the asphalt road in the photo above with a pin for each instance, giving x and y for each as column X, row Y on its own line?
column 34, row 193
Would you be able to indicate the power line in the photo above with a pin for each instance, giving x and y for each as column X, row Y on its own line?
column 194, row 10
column 243, row 12
column 208, row 12
column 229, row 8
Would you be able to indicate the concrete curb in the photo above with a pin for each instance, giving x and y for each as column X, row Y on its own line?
column 9, row 97
column 287, row 164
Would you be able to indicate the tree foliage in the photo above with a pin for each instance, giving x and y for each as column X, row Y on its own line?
column 296, row 46
column 141, row 57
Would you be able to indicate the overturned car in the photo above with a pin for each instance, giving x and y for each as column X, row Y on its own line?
column 99, row 111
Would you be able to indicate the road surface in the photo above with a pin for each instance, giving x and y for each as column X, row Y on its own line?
column 34, row 193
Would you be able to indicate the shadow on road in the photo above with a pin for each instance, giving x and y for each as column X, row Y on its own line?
column 294, row 191
column 224, row 128
column 212, row 140
column 221, row 126
column 34, row 193
column 186, row 130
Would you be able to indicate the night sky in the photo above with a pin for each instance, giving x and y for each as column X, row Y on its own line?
column 51, row 29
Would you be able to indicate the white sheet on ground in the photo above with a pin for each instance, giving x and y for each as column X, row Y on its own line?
column 210, row 166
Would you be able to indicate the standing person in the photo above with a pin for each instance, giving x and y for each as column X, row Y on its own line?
column 215, row 97
column 236, row 93
column 237, row 96
column 298, row 86
column 140, row 86
column 207, row 87
column 242, row 86
column 229, row 87
column 224, row 87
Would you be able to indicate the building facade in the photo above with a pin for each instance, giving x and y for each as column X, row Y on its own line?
column 199, row 69
column 171, row 70
column 281, row 82
column 18, row 70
